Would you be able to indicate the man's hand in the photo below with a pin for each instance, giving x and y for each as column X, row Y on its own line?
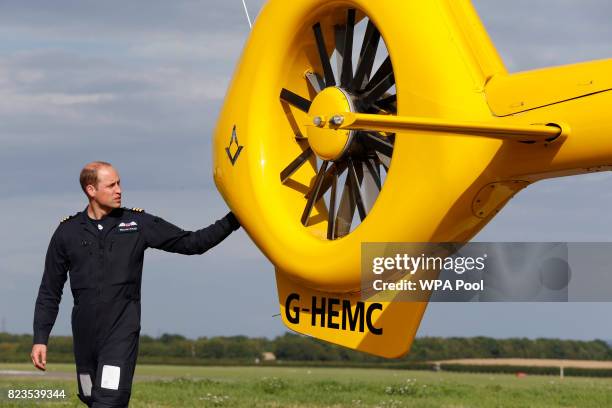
column 39, row 356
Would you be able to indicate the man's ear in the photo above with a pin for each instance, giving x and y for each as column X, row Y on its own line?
column 90, row 189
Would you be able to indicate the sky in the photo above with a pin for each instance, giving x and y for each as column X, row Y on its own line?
column 140, row 84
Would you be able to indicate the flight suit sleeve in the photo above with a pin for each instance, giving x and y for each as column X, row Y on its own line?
column 161, row 234
column 51, row 288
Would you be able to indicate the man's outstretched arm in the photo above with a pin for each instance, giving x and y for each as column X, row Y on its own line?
column 49, row 296
column 163, row 235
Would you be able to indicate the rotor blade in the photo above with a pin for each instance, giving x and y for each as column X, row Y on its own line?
column 346, row 75
column 388, row 103
column 346, row 210
column 295, row 164
column 327, row 69
column 366, row 57
column 355, row 191
column 385, row 161
column 358, row 171
column 340, row 35
column 315, row 192
column 382, row 80
column 336, row 168
column 372, row 168
column 296, row 100
column 315, row 81
column 377, row 143
column 331, row 220
column 378, row 90
column 371, row 183
column 381, row 73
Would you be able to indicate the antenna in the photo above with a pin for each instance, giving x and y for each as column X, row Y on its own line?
column 247, row 14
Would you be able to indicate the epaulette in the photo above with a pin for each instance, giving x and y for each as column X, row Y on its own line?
column 136, row 209
column 67, row 218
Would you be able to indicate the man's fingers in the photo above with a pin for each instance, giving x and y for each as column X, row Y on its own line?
column 39, row 358
column 35, row 360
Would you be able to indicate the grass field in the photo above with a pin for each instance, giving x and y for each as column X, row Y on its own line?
column 178, row 386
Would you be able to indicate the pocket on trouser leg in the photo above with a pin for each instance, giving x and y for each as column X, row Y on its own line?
column 113, row 385
column 85, row 380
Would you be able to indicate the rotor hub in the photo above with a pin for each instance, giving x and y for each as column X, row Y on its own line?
column 326, row 140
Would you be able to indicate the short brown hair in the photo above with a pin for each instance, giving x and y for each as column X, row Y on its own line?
column 89, row 174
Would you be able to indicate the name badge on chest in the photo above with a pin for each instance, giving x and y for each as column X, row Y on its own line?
column 131, row 226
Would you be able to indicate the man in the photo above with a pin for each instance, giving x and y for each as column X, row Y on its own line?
column 103, row 249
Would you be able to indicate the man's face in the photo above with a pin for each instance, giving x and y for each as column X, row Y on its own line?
column 108, row 191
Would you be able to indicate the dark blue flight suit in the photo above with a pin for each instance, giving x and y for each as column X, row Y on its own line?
column 105, row 265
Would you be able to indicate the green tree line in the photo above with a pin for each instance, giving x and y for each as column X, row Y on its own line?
column 176, row 349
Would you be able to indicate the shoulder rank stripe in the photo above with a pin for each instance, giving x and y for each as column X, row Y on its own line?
column 66, row 218
column 136, row 209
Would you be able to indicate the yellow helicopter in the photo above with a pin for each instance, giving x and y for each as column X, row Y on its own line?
column 411, row 131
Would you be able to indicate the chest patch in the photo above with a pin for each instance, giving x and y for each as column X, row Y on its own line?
column 131, row 226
